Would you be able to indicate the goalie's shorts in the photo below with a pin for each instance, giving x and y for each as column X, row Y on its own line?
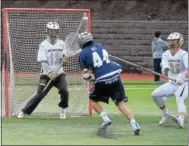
column 102, row 91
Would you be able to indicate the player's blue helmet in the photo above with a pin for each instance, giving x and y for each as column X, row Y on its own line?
column 84, row 38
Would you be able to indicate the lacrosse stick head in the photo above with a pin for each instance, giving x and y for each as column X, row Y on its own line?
column 72, row 44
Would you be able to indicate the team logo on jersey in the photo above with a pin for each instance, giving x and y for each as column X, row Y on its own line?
column 176, row 60
column 54, row 50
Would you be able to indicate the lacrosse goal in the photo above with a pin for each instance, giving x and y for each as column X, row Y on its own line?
column 23, row 30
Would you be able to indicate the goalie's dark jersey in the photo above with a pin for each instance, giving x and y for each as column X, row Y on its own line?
column 95, row 57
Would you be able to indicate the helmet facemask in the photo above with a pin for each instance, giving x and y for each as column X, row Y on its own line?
column 52, row 33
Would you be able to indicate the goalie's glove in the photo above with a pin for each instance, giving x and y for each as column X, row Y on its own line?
column 52, row 75
column 180, row 78
column 64, row 60
column 165, row 70
column 88, row 75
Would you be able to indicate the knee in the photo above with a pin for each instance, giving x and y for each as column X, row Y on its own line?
column 157, row 98
column 38, row 96
column 154, row 94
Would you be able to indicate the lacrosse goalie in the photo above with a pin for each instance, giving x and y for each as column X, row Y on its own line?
column 174, row 65
column 52, row 56
column 105, row 74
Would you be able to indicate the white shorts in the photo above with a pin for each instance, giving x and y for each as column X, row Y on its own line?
column 168, row 89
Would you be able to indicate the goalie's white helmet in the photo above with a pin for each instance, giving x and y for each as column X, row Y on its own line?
column 52, row 29
column 84, row 38
column 175, row 40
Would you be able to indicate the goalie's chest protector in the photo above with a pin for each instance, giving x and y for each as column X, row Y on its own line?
column 54, row 52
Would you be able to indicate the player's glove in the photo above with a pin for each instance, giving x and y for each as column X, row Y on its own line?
column 180, row 79
column 52, row 75
column 165, row 70
column 88, row 75
column 64, row 60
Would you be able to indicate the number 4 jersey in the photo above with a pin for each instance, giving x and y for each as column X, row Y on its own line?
column 178, row 63
column 95, row 57
column 52, row 53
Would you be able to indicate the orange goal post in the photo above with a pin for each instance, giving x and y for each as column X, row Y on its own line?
column 23, row 30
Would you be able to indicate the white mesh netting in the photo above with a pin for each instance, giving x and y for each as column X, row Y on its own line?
column 26, row 29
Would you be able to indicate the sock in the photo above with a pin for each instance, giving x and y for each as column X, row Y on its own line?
column 64, row 110
column 165, row 111
column 132, row 122
column 104, row 116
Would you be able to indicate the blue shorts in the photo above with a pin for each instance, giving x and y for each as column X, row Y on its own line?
column 102, row 91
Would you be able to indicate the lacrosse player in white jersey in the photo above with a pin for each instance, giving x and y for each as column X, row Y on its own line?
column 174, row 65
column 52, row 56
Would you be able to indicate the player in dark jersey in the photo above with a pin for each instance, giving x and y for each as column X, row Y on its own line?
column 105, row 76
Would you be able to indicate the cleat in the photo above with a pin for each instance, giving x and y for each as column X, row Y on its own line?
column 103, row 128
column 20, row 115
column 63, row 114
column 105, row 124
column 136, row 128
column 178, row 121
column 164, row 119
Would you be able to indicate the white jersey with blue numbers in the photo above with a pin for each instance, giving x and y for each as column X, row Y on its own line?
column 53, row 54
column 95, row 57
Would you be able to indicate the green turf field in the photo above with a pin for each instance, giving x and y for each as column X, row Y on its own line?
column 83, row 130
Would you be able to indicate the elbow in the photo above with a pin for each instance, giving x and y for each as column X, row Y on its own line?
column 186, row 73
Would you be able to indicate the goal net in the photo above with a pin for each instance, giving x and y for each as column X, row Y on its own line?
column 24, row 29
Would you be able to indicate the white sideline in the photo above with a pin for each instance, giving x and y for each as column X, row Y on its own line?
column 133, row 88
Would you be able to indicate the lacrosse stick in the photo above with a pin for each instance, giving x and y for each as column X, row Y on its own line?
column 138, row 66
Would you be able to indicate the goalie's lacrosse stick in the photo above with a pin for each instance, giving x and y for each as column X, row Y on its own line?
column 72, row 44
column 138, row 66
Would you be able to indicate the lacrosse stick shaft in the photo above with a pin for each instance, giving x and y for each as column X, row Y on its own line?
column 138, row 66
column 49, row 82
